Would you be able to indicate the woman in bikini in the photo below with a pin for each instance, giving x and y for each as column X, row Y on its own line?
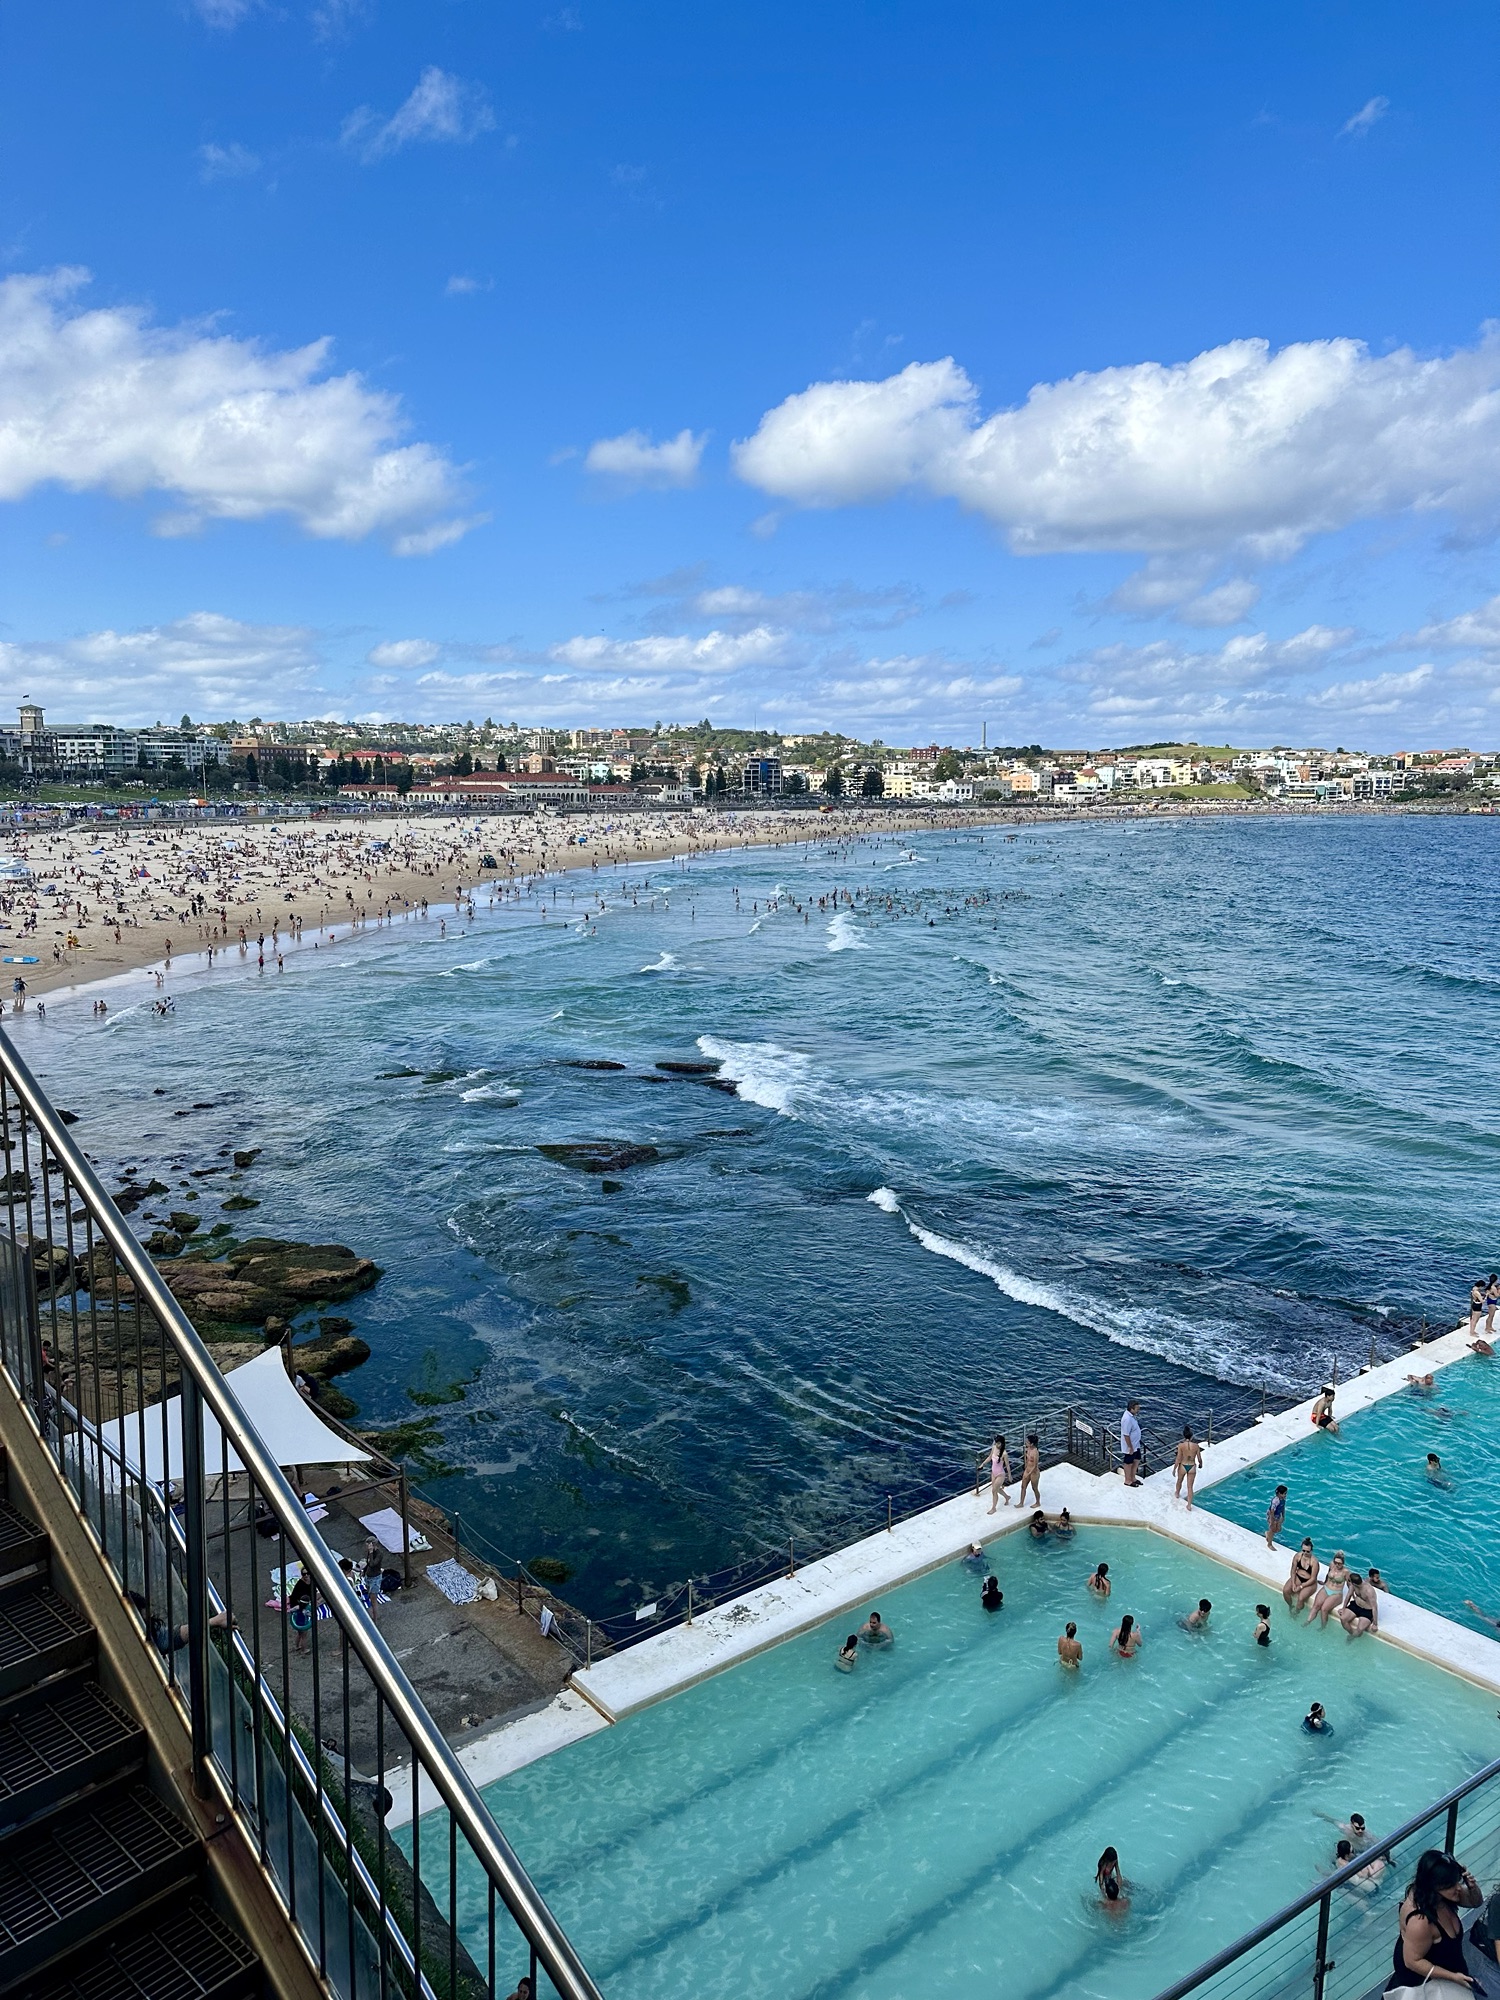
column 1189, row 1459
column 1126, row 1638
column 999, row 1473
column 1111, row 1883
column 1303, row 1581
column 1478, row 1292
column 1330, row 1592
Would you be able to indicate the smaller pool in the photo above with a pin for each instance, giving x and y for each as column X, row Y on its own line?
column 1367, row 1492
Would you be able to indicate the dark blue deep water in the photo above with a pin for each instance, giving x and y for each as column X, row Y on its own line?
column 1179, row 1108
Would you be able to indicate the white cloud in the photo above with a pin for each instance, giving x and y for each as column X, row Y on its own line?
column 461, row 287
column 223, row 13
column 442, row 109
column 633, row 460
column 1248, row 660
column 1369, row 114
column 440, row 535
column 1382, row 694
column 825, row 610
column 103, row 401
column 1175, row 584
column 203, row 665
column 227, row 163
column 1479, row 628
column 713, row 653
column 1238, row 446
column 404, row 653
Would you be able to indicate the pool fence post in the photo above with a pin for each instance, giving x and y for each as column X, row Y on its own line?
column 1334, row 1374
column 690, row 1601
column 1320, row 1963
column 1372, row 1350
column 1422, row 1336
column 889, row 1524
column 1210, row 1438
column 588, row 1643
column 1452, row 1841
column 791, row 1543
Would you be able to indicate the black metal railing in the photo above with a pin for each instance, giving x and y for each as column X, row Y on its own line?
column 1338, row 1941
column 301, row 1720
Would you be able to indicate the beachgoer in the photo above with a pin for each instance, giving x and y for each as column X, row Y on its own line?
column 1316, row 1722
column 1262, row 1624
column 991, row 1596
column 1491, row 1301
column 875, row 1633
column 1430, row 1945
column 975, row 1557
column 1125, row 1638
column 1375, row 1580
column 1422, row 1385
column 1069, row 1649
column 1321, row 1414
column 523, row 1989
column 1488, row 1617
column 1099, row 1582
column 1360, row 1613
column 300, row 1611
column 1303, row 1579
column 999, row 1473
column 1436, row 1473
column 1063, row 1525
column 1275, row 1516
column 1111, row 1883
column 1330, row 1592
column 848, row 1654
column 1197, row 1621
column 1189, row 1460
column 1031, row 1471
column 1130, row 1441
column 1038, row 1529
column 1477, row 1293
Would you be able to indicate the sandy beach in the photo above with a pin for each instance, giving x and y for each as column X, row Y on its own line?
column 105, row 900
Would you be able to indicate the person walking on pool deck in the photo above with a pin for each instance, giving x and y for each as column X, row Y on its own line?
column 1189, row 1460
column 1069, row 1650
column 1275, row 1516
column 1303, row 1580
column 1130, row 1441
column 1031, row 1470
column 1430, row 1945
column 999, row 1473
column 875, row 1633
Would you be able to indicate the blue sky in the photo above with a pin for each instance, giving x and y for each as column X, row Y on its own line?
column 1094, row 374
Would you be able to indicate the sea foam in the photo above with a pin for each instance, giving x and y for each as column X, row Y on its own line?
column 762, row 1072
column 842, row 935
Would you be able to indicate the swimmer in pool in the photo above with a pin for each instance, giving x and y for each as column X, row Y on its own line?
column 875, row 1633
column 1316, row 1722
column 1488, row 1618
column 1436, row 1473
column 1303, row 1580
column 1099, row 1582
column 991, row 1596
column 1126, row 1638
column 1063, row 1525
column 1111, row 1884
column 848, row 1654
column 1197, row 1621
column 1069, row 1651
column 975, row 1557
column 1375, row 1580
column 1330, row 1592
column 1422, row 1385
column 1262, row 1624
column 1039, row 1529
column 1353, row 1828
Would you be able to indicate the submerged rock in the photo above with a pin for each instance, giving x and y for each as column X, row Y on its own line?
column 590, row 1062
column 690, row 1068
column 599, row 1156
column 247, row 1157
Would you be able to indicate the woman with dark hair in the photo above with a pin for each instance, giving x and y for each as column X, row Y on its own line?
column 1431, row 1944
column 992, row 1596
column 1126, row 1637
column 1111, row 1883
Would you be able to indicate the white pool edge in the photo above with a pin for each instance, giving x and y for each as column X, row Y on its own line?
column 854, row 1577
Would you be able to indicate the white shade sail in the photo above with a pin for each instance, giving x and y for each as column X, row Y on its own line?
column 289, row 1427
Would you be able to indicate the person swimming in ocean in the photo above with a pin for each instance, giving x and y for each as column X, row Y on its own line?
column 1111, row 1884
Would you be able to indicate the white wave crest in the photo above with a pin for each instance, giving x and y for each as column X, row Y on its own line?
column 666, row 963
column 842, row 935
column 490, row 1093
column 762, row 1072
column 884, row 1197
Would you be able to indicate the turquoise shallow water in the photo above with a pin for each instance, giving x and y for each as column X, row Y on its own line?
column 1367, row 1491
column 930, row 1823
column 1179, row 1108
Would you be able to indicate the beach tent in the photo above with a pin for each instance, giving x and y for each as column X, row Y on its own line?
column 290, row 1428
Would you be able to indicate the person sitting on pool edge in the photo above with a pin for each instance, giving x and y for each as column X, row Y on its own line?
column 991, row 1596
column 1303, row 1580
column 875, row 1633
column 1069, row 1650
column 1099, row 1582
column 1360, row 1613
column 848, row 1654
column 1316, row 1722
column 1321, row 1415
column 1197, row 1621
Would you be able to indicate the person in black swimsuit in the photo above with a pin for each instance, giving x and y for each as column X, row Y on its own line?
column 1431, row 1943
column 1111, row 1883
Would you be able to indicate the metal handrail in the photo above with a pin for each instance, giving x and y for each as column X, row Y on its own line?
column 430, row 1751
column 1446, row 1804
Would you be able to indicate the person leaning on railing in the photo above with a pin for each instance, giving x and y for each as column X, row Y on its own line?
column 1431, row 1941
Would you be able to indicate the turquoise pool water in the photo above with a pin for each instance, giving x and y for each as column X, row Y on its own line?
column 931, row 1823
column 1367, row 1492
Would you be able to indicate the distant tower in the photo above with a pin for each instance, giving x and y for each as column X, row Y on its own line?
column 31, row 724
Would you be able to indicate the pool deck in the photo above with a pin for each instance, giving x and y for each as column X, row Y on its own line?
column 854, row 1578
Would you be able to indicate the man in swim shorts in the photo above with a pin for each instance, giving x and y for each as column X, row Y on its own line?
column 1130, row 1441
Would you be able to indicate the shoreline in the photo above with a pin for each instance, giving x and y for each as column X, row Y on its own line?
column 104, row 952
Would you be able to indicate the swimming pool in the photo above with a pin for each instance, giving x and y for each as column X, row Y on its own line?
column 931, row 1822
column 1367, row 1492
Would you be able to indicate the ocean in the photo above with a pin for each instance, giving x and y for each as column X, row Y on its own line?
column 997, row 1122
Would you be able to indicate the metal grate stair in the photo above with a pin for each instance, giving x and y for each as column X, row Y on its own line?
column 186, row 1954
column 57, row 1739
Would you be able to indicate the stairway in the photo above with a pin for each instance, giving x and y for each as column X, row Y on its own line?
column 103, row 1889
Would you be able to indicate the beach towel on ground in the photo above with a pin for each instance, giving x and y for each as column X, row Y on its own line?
column 386, row 1528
